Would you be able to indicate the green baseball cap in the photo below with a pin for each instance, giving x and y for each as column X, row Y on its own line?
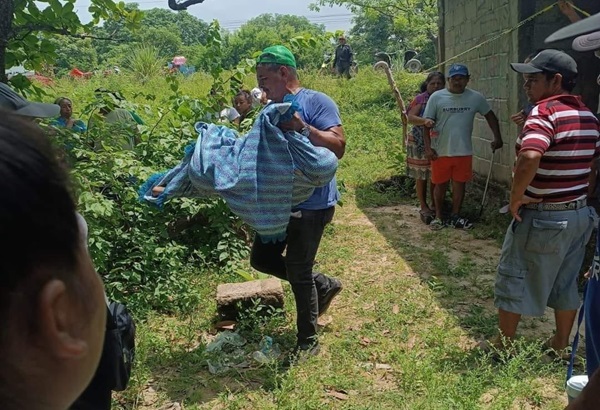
column 277, row 55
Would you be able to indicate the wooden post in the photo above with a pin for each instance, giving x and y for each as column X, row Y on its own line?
column 399, row 100
column 441, row 55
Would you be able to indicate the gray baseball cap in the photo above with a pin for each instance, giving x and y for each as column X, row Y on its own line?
column 549, row 60
column 13, row 102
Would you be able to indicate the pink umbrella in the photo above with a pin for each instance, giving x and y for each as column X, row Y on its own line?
column 179, row 60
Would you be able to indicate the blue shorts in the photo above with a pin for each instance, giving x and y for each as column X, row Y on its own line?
column 592, row 315
column 541, row 259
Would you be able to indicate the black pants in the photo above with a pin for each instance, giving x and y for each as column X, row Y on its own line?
column 343, row 69
column 302, row 242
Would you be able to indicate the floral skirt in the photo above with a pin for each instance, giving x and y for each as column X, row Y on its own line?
column 417, row 165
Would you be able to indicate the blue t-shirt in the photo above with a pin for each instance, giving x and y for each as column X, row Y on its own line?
column 78, row 125
column 321, row 112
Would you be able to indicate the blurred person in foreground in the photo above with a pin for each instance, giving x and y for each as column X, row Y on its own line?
column 588, row 39
column 53, row 310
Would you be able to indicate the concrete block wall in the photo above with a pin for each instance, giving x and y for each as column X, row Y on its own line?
column 468, row 23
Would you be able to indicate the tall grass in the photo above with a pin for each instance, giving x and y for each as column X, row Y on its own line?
column 144, row 61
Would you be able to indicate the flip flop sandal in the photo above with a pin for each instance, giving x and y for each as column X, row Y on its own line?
column 553, row 354
column 496, row 349
column 426, row 217
column 436, row 225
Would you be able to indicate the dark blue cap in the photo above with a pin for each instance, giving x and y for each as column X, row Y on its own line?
column 458, row 69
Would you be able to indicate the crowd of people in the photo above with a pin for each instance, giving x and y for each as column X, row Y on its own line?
column 555, row 172
column 53, row 304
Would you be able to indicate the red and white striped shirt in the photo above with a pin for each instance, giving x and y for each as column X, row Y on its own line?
column 566, row 133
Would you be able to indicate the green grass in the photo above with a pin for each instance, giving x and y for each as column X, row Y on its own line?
column 403, row 329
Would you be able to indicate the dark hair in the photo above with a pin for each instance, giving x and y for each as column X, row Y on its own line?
column 39, row 235
column 244, row 93
column 567, row 83
column 423, row 86
column 434, row 74
column 61, row 99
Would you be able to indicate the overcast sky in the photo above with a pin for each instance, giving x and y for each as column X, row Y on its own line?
column 233, row 13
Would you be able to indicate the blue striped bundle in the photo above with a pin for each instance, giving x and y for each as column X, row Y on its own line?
column 261, row 175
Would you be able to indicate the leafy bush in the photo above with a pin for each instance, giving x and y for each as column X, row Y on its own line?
column 148, row 258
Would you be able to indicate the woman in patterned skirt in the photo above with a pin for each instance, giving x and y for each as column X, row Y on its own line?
column 416, row 162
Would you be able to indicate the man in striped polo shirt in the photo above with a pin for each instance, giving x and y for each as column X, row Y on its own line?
column 545, row 243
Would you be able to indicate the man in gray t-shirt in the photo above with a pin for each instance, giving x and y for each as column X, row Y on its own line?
column 448, row 144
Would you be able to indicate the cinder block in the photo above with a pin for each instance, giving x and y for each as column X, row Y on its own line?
column 230, row 296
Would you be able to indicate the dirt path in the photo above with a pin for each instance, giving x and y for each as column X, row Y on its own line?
column 463, row 262
column 401, row 335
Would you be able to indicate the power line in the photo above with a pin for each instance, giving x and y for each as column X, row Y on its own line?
column 233, row 26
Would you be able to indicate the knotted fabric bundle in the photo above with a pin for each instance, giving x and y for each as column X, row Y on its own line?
column 261, row 176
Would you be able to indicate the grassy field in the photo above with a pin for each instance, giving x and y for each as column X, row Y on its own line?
column 403, row 331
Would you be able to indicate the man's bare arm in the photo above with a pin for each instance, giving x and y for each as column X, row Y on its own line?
column 590, row 396
column 333, row 138
column 492, row 121
column 413, row 117
column 528, row 163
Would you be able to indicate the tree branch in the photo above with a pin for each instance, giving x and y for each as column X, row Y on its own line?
column 175, row 5
column 28, row 29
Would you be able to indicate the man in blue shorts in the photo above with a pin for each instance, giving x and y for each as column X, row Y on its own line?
column 588, row 42
column 319, row 121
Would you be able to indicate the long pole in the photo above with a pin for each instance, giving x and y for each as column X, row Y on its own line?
column 399, row 100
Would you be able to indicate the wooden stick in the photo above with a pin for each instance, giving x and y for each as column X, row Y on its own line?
column 398, row 97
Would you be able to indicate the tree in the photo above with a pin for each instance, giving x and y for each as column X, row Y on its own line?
column 26, row 28
column 166, row 41
column 267, row 30
column 392, row 26
column 168, row 31
column 189, row 28
column 371, row 35
column 74, row 53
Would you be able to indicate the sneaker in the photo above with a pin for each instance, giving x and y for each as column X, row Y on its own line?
column 458, row 222
column 301, row 354
column 325, row 300
column 436, row 224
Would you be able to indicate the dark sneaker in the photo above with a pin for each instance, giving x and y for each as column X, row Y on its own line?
column 301, row 354
column 325, row 300
column 458, row 222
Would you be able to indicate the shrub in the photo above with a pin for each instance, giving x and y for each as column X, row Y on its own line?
column 144, row 61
